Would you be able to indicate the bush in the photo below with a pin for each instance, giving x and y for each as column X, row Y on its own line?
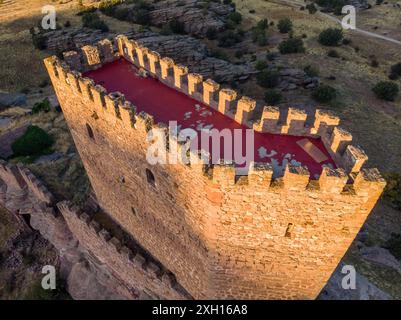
column 311, row 8
column 33, row 142
column 272, row 97
column 267, row 79
column 39, row 41
column 392, row 192
column 235, row 17
column 395, row 71
column 92, row 20
column 229, row 38
column 261, row 65
column 324, row 94
column 43, row 106
column 262, row 24
column 331, row 37
column 292, row 45
column 386, row 90
column 259, row 33
column 310, row 71
column 284, row 25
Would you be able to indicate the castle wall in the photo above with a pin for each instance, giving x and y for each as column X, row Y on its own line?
column 222, row 236
column 82, row 240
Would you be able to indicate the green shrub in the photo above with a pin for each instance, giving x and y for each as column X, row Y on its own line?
column 311, row 71
column 311, row 8
column 324, row 94
column 268, row 79
column 229, row 38
column 386, row 90
column 33, row 142
column 262, row 24
column 43, row 106
column 272, row 97
column 395, row 71
column 331, row 37
column 284, row 25
column 292, row 45
column 260, row 65
column 92, row 20
column 39, row 41
column 235, row 17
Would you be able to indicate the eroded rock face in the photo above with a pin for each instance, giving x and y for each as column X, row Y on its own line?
column 196, row 16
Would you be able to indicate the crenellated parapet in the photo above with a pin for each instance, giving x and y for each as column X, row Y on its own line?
column 114, row 107
column 131, row 266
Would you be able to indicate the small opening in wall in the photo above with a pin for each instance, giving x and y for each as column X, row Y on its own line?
column 121, row 179
column 133, row 210
column 90, row 131
column 150, row 177
column 288, row 232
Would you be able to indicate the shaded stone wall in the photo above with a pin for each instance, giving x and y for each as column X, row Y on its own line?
column 86, row 248
column 222, row 236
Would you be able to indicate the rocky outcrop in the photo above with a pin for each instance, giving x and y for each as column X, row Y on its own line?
column 12, row 99
column 292, row 78
column 207, row 14
column 364, row 290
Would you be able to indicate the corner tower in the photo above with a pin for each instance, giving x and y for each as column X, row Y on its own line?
column 276, row 232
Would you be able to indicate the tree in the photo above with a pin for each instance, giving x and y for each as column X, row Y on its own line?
column 395, row 71
column 267, row 79
column 292, row 45
column 386, row 90
column 33, row 142
column 324, row 94
column 235, row 17
column 272, row 97
column 284, row 25
column 311, row 8
column 331, row 37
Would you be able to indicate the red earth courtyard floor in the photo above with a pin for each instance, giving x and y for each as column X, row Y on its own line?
column 166, row 104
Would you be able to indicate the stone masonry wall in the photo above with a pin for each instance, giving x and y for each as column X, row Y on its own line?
column 81, row 241
column 222, row 236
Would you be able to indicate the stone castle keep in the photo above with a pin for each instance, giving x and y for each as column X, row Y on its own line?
column 210, row 232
